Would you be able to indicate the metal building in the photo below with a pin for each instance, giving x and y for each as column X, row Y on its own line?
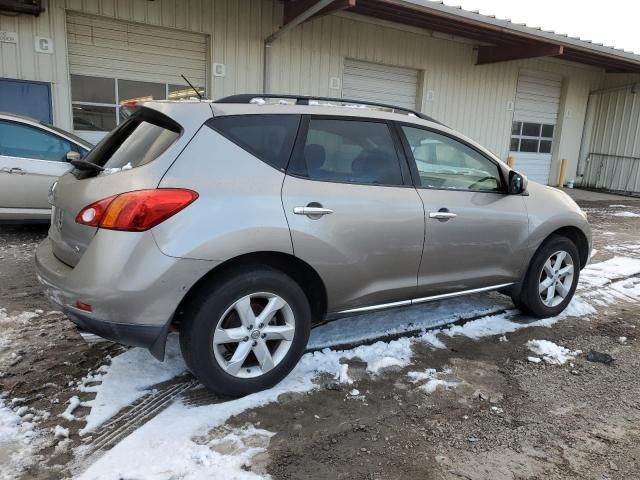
column 533, row 95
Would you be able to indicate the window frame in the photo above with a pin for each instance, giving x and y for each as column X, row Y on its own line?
column 298, row 150
column 74, row 146
column 415, row 174
column 539, row 139
column 118, row 105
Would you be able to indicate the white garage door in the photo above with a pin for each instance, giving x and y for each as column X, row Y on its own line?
column 112, row 62
column 380, row 83
column 534, row 120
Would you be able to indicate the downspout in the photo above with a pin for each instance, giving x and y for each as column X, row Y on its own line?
column 266, row 48
column 301, row 18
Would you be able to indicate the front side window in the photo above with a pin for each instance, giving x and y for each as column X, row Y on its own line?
column 531, row 137
column 24, row 141
column 445, row 163
column 348, row 151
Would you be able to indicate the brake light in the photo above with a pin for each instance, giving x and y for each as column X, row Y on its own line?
column 136, row 211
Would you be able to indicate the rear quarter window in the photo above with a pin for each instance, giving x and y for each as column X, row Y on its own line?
column 268, row 137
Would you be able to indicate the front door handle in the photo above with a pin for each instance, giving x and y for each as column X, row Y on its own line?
column 312, row 211
column 442, row 215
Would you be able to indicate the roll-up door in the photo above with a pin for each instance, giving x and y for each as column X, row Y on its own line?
column 380, row 83
column 112, row 62
column 534, row 123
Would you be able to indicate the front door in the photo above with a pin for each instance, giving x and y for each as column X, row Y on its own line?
column 475, row 233
column 30, row 162
column 352, row 214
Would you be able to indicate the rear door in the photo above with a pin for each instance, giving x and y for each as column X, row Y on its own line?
column 352, row 212
column 31, row 159
column 475, row 233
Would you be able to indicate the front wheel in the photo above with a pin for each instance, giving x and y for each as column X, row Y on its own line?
column 551, row 279
column 247, row 332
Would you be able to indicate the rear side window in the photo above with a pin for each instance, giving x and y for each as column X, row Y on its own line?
column 268, row 137
column 142, row 138
column 348, row 151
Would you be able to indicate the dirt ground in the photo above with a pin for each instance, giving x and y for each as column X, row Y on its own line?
column 500, row 417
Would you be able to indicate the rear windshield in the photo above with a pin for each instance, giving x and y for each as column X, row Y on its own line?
column 140, row 139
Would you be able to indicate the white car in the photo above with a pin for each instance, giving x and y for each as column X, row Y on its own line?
column 32, row 156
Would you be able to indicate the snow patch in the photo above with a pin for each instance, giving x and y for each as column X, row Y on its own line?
column 625, row 214
column 551, row 353
column 60, row 432
column 168, row 443
column 74, row 402
column 616, row 268
column 128, row 378
column 385, row 362
column 15, row 442
column 342, row 375
column 432, row 380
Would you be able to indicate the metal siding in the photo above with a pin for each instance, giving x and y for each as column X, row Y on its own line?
column 615, row 133
column 380, row 83
column 473, row 99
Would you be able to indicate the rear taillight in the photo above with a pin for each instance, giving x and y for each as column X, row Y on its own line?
column 136, row 211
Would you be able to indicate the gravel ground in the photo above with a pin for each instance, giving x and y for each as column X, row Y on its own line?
column 500, row 417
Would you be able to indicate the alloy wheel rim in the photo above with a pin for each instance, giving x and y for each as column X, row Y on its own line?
column 556, row 278
column 253, row 335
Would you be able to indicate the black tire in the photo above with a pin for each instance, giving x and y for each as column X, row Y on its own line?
column 209, row 305
column 528, row 299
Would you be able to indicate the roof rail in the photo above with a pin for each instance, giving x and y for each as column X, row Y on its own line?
column 305, row 99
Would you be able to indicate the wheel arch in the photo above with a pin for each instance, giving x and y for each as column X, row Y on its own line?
column 301, row 272
column 578, row 238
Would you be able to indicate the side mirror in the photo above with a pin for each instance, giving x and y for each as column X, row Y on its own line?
column 517, row 183
column 71, row 156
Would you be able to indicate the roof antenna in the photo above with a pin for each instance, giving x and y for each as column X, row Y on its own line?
column 192, row 87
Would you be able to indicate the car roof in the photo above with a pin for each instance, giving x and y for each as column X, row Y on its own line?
column 183, row 109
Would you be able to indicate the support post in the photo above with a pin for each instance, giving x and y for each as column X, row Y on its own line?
column 563, row 173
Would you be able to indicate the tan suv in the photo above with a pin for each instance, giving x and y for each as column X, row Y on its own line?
column 244, row 222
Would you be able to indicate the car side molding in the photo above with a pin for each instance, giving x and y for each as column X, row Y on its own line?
column 431, row 298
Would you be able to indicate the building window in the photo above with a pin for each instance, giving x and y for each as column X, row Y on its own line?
column 530, row 137
column 97, row 101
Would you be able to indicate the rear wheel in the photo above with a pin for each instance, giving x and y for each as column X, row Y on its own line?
column 247, row 332
column 551, row 280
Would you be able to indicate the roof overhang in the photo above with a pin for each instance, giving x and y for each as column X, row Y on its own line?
column 508, row 41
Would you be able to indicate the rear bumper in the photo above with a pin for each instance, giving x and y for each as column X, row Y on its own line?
column 151, row 337
column 132, row 287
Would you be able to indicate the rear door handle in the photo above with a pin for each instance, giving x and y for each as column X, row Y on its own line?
column 312, row 211
column 17, row 170
column 442, row 215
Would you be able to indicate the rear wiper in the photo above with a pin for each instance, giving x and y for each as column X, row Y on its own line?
column 84, row 165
